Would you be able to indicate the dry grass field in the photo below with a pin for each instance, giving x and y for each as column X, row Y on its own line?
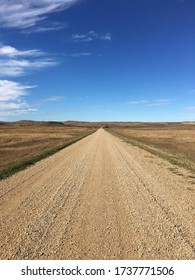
column 23, row 143
column 175, row 141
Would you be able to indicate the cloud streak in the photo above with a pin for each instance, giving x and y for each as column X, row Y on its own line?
column 55, row 26
column 14, row 63
column 80, row 54
column 8, row 51
column 23, row 14
column 91, row 36
column 16, row 68
column 10, row 90
column 158, row 102
column 137, row 102
column 12, row 98
column 55, row 98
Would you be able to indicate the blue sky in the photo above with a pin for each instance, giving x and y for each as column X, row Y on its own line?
column 97, row 60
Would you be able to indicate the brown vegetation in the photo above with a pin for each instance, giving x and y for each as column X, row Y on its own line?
column 23, row 143
column 176, row 139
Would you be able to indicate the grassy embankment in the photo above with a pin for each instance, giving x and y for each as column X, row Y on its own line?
column 24, row 143
column 174, row 142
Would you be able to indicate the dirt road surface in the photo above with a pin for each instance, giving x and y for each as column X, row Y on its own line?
column 98, row 199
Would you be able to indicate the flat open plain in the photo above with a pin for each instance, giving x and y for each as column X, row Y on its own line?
column 99, row 198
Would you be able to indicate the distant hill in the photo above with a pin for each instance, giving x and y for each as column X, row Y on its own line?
column 95, row 124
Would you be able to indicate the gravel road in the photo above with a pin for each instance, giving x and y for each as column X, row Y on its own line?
column 99, row 198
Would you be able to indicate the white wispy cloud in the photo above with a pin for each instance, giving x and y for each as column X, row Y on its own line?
column 41, row 102
column 8, row 51
column 55, row 98
column 24, row 14
column 135, row 102
column 91, row 36
column 158, row 102
column 15, row 62
column 12, row 98
column 15, row 68
column 10, row 90
column 54, row 26
column 80, row 54
column 106, row 37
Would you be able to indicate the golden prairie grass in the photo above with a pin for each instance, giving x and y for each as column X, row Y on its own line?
column 175, row 141
column 23, row 144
